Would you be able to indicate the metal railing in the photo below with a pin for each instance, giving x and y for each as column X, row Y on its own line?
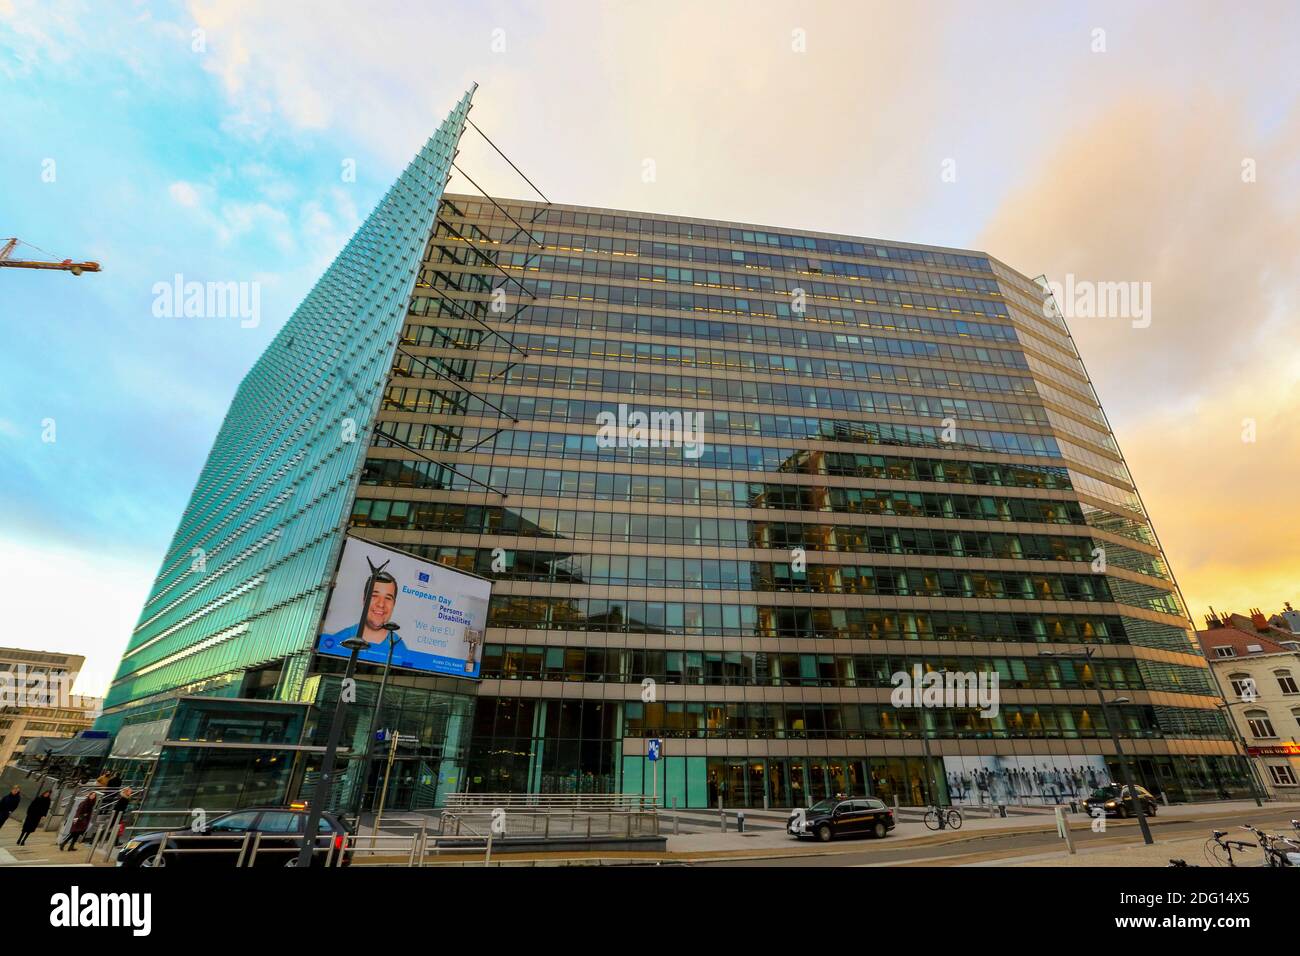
column 551, row 801
column 353, row 849
column 544, row 816
column 544, row 824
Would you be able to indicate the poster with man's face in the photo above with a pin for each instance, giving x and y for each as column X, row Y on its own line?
column 441, row 613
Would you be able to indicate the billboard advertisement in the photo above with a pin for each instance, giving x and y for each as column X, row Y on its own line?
column 441, row 612
column 1045, row 780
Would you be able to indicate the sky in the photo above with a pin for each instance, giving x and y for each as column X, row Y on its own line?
column 1145, row 143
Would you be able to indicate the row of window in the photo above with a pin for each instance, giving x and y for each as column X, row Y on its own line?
column 773, row 720
column 734, row 494
column 624, row 570
column 466, row 337
column 783, row 363
column 750, row 620
column 653, row 571
column 1246, row 688
column 606, row 270
column 758, row 668
column 642, row 296
column 550, row 216
column 592, row 525
column 636, row 571
column 560, row 241
column 1261, row 725
column 527, row 407
column 701, row 454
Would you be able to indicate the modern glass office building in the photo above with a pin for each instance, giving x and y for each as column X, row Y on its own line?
column 896, row 461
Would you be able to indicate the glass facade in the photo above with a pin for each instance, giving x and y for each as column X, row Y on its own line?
column 903, row 465
column 896, row 461
column 235, row 608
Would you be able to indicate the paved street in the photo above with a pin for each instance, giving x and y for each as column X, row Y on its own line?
column 1178, row 832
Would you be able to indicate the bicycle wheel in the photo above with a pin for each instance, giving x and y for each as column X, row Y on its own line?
column 954, row 820
column 931, row 819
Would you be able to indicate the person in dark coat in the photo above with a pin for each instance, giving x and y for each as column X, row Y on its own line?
column 120, row 808
column 80, row 822
column 9, row 803
column 36, row 811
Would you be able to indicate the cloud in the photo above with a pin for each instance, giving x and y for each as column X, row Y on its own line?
column 1224, row 508
column 233, row 219
column 184, row 194
column 110, row 593
column 1152, row 191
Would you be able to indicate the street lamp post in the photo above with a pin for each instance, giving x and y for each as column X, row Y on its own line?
column 392, row 630
column 1239, row 742
column 320, row 796
column 1135, row 805
column 931, row 785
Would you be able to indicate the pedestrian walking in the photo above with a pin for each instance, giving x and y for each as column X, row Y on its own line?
column 119, row 809
column 9, row 803
column 80, row 822
column 36, row 811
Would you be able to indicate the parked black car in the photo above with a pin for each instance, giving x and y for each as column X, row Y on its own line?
column 223, row 839
column 1114, row 802
column 828, row 819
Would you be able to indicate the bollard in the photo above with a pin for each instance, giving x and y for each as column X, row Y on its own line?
column 722, row 818
column 1063, row 829
column 740, row 821
column 675, row 816
column 1002, row 810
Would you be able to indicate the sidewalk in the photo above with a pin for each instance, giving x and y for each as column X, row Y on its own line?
column 41, row 849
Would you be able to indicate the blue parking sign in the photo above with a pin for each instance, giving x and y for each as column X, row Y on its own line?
column 653, row 749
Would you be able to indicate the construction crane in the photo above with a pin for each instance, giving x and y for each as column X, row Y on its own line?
column 67, row 265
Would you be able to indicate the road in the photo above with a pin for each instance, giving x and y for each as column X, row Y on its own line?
column 989, row 847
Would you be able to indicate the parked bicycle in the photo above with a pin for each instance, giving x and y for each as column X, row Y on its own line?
column 1218, row 851
column 1279, row 851
column 941, row 818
